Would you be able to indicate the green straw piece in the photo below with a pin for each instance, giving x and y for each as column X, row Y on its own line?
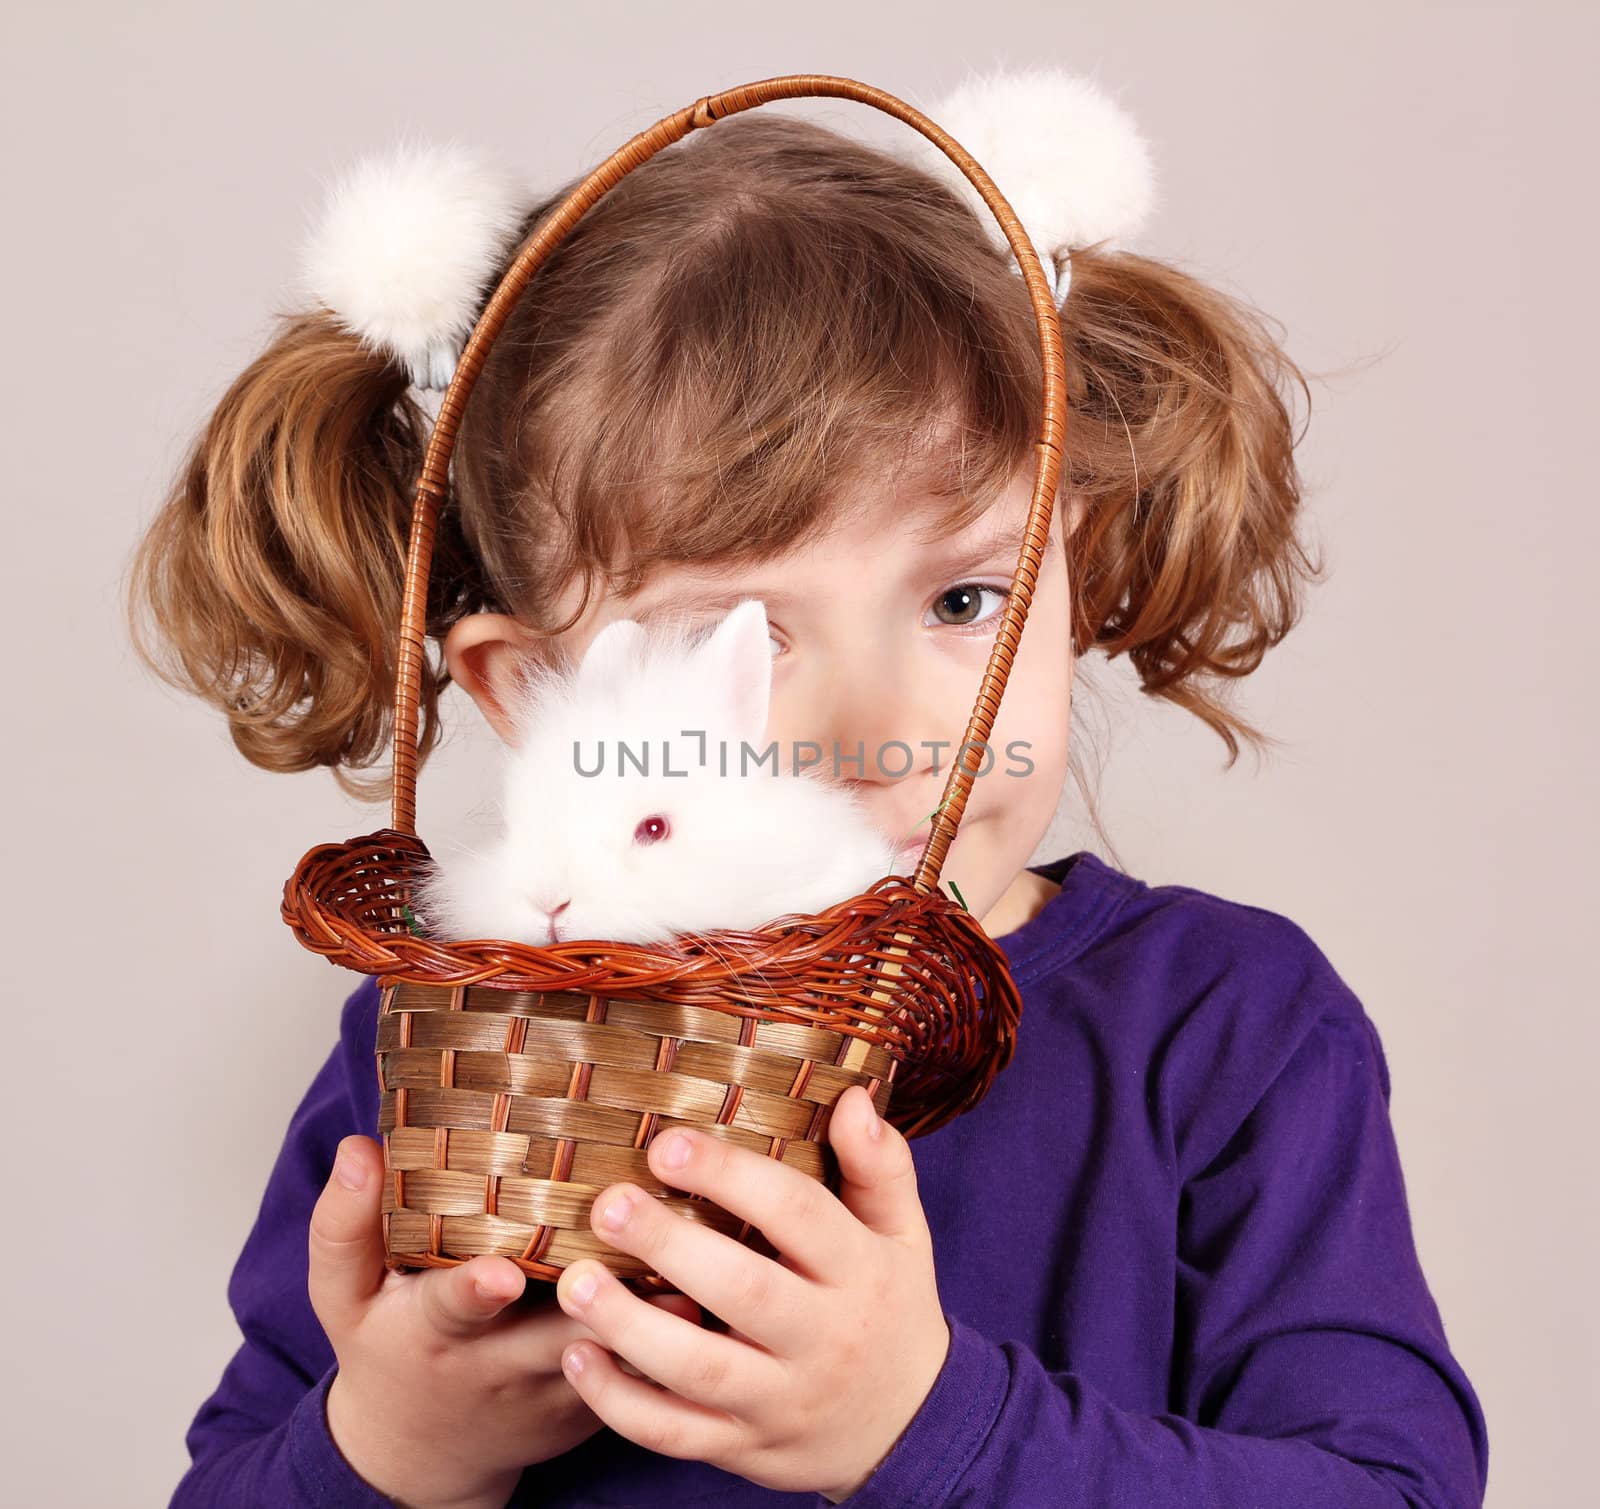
column 920, row 821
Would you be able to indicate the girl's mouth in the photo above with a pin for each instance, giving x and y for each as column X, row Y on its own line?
column 910, row 853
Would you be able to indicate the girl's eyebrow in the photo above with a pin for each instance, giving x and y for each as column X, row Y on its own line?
column 690, row 599
column 982, row 547
column 997, row 539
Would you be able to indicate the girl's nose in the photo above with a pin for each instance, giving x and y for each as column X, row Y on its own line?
column 891, row 772
column 881, row 735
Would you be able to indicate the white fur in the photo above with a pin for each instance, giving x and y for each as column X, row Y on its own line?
column 1067, row 157
column 745, row 847
column 405, row 249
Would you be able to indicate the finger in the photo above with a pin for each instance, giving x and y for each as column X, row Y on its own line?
column 465, row 1300
column 799, row 1215
column 695, row 1362
column 532, row 1336
column 677, row 1304
column 878, row 1176
column 704, row 1367
column 745, row 1289
column 657, row 1419
column 345, row 1244
column 674, row 1304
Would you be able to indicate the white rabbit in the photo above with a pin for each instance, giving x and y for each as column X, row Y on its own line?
column 708, row 838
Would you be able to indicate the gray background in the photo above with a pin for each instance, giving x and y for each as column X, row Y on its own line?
column 1399, row 184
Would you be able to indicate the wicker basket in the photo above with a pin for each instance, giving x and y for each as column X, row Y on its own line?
column 516, row 1081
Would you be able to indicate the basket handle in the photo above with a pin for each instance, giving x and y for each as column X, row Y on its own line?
column 436, row 462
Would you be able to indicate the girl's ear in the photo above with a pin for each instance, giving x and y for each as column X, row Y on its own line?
column 483, row 652
column 737, row 663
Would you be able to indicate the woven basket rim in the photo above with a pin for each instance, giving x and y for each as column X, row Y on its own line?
column 707, row 955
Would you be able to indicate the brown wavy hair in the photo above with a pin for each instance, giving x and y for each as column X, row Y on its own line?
column 747, row 323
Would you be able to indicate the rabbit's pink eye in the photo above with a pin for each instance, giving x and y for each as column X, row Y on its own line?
column 651, row 830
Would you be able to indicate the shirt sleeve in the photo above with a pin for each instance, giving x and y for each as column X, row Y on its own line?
column 1310, row 1363
column 262, row 1437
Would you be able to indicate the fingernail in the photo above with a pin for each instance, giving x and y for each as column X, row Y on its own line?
column 350, row 1173
column 675, row 1150
column 489, row 1291
column 573, row 1363
column 875, row 1126
column 615, row 1216
column 583, row 1288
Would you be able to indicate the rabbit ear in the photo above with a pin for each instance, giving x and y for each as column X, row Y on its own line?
column 611, row 651
column 737, row 663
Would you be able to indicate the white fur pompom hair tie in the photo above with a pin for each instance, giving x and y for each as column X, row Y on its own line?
column 406, row 246
column 1067, row 157
column 409, row 240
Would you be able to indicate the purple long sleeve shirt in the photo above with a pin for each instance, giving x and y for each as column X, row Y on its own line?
column 1172, row 1245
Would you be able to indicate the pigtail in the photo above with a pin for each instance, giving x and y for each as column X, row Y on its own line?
column 270, row 580
column 1182, row 446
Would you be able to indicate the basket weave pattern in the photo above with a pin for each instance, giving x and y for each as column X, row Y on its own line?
column 517, row 1082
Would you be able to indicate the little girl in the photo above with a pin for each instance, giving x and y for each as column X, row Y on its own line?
column 1168, row 1258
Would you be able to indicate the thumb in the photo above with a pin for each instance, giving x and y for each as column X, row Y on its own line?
column 346, row 1239
column 878, row 1179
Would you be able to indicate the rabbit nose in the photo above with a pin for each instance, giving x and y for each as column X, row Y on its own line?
column 550, row 914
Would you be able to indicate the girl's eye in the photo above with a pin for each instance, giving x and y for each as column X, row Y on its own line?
column 652, row 829
column 959, row 607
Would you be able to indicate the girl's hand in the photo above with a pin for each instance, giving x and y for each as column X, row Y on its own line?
column 445, row 1389
column 832, row 1348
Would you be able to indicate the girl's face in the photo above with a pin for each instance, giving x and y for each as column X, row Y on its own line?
column 879, row 642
